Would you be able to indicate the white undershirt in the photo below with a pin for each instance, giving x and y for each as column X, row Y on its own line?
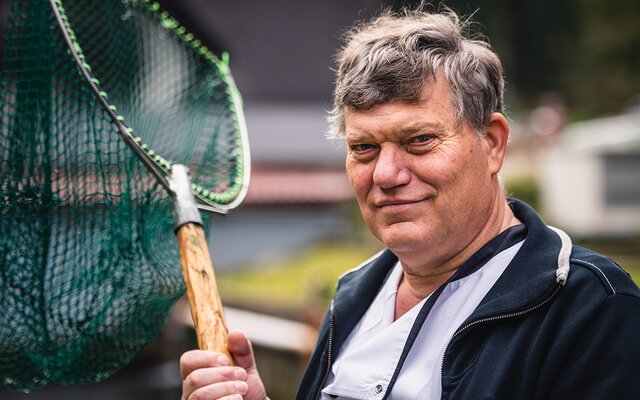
column 368, row 358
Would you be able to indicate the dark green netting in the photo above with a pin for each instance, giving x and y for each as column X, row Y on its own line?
column 88, row 262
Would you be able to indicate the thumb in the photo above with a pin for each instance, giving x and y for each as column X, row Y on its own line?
column 241, row 350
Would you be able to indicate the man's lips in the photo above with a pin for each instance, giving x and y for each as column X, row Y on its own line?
column 396, row 203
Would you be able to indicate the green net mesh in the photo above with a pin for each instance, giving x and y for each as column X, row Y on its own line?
column 88, row 261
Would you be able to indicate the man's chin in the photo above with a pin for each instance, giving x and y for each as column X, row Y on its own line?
column 402, row 237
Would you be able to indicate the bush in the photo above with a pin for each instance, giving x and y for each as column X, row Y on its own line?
column 525, row 188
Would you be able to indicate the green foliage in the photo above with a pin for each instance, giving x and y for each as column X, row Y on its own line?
column 307, row 279
column 525, row 188
column 602, row 73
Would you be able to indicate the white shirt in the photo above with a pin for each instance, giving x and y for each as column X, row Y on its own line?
column 367, row 360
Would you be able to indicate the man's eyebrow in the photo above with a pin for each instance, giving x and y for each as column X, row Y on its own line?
column 419, row 126
column 408, row 129
column 356, row 136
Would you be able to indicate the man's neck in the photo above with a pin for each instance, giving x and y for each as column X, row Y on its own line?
column 419, row 281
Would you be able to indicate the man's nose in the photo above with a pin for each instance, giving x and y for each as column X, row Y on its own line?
column 391, row 168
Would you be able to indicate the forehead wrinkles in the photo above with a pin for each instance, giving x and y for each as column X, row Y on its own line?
column 390, row 124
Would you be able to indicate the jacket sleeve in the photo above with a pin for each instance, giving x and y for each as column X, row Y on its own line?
column 604, row 362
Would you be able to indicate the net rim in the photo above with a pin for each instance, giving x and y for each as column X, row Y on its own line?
column 158, row 166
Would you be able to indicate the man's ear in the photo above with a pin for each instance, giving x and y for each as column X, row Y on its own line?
column 496, row 136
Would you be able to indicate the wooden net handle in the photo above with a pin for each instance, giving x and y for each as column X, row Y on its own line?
column 202, row 290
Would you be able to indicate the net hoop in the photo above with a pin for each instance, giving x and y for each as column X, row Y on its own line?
column 159, row 167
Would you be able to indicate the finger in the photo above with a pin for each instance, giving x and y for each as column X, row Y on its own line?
column 213, row 379
column 241, row 349
column 232, row 397
column 196, row 359
column 221, row 390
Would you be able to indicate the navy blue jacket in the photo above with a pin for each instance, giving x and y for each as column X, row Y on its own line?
column 534, row 336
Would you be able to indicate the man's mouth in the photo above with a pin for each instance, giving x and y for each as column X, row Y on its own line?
column 396, row 205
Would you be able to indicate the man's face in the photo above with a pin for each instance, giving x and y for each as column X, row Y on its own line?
column 423, row 183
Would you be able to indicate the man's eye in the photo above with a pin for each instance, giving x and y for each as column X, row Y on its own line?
column 361, row 147
column 421, row 139
column 420, row 144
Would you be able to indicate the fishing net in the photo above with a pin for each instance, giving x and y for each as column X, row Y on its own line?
column 98, row 99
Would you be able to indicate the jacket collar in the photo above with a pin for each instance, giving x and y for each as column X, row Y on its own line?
column 531, row 275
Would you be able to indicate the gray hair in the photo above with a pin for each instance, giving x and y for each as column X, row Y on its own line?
column 391, row 58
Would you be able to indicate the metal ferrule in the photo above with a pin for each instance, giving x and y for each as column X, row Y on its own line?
column 184, row 204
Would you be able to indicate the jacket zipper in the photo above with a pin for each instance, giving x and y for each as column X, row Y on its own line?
column 329, row 354
column 497, row 318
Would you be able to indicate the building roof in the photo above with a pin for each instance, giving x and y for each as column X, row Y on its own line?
column 621, row 132
column 290, row 186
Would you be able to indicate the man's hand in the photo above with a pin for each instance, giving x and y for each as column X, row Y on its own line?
column 208, row 375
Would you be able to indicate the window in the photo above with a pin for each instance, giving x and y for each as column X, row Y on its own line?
column 622, row 179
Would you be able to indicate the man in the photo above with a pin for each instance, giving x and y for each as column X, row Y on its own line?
column 474, row 297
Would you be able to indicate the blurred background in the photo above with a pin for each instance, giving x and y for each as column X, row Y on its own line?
column 573, row 97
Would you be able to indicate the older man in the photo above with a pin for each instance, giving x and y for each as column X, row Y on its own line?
column 474, row 297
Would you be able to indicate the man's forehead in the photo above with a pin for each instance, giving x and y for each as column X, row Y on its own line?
column 434, row 103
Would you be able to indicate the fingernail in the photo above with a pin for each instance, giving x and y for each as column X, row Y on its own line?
column 239, row 374
column 242, row 387
column 222, row 360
